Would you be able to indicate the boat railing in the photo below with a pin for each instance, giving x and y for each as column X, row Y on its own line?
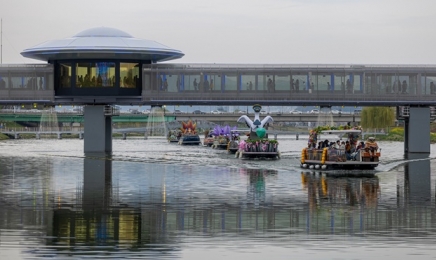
column 336, row 155
column 315, row 154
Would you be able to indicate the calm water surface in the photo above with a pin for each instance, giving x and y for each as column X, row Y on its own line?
column 157, row 200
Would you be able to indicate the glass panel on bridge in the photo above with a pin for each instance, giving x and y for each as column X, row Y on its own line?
column 191, row 82
column 428, row 83
column 248, row 82
column 282, row 82
column 129, row 75
column 404, row 86
column 299, row 82
column 25, row 81
column 229, row 82
column 4, row 81
column 95, row 74
column 214, row 83
column 65, row 73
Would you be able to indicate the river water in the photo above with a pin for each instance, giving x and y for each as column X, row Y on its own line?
column 155, row 200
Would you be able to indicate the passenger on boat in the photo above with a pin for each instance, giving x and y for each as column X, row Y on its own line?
column 337, row 145
column 326, row 143
column 320, row 145
column 342, row 145
column 332, row 145
column 241, row 146
column 348, row 150
column 359, row 147
column 371, row 146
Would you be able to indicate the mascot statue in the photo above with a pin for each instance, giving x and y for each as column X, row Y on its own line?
column 256, row 126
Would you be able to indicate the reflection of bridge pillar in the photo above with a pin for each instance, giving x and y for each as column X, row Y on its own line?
column 93, row 222
column 98, row 130
column 417, row 178
column 417, row 131
column 97, row 183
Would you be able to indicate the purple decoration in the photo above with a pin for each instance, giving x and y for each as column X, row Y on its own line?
column 224, row 131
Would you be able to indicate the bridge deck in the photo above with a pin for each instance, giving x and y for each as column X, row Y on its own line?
column 238, row 84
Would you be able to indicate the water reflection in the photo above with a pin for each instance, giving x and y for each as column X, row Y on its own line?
column 327, row 190
column 256, row 190
column 97, row 206
column 340, row 205
column 96, row 218
column 417, row 181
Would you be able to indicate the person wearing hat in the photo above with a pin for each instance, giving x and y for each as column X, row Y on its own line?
column 371, row 146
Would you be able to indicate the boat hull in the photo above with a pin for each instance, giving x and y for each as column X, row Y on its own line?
column 259, row 155
column 315, row 164
column 190, row 140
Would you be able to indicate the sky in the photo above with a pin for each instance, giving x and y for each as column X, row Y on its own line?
column 239, row 31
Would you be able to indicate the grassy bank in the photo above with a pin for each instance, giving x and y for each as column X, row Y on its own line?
column 397, row 134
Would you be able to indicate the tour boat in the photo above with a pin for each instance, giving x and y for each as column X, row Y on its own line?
column 220, row 143
column 257, row 146
column 332, row 157
column 189, row 134
column 222, row 136
column 174, row 136
column 189, row 139
column 233, row 146
column 208, row 141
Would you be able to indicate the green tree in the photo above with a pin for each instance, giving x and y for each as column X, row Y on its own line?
column 377, row 117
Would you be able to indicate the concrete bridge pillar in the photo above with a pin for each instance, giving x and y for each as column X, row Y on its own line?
column 98, row 130
column 80, row 135
column 38, row 136
column 59, row 136
column 124, row 136
column 297, row 136
column 17, row 136
column 417, row 131
column 145, row 135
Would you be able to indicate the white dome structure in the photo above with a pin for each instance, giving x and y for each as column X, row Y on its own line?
column 102, row 43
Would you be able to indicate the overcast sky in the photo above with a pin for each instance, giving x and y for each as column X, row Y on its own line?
column 239, row 31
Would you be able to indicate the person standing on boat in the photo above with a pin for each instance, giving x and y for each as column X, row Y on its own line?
column 348, row 150
column 371, row 146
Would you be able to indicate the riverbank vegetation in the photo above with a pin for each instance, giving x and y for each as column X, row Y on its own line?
column 397, row 134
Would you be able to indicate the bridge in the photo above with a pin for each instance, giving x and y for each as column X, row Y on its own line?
column 321, row 85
